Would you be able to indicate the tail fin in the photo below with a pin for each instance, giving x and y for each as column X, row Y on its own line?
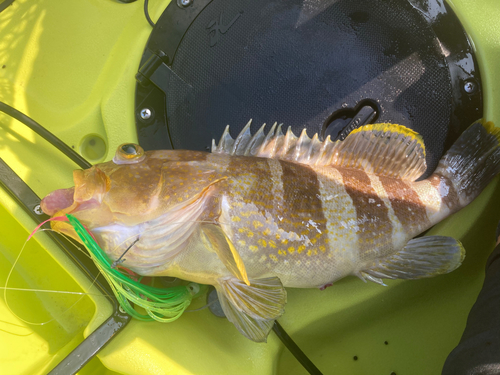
column 473, row 160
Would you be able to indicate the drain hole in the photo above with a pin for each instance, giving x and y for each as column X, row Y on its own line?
column 345, row 120
column 337, row 123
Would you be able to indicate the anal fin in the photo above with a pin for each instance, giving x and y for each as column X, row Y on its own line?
column 421, row 258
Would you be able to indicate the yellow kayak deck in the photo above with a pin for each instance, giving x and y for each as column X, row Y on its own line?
column 70, row 65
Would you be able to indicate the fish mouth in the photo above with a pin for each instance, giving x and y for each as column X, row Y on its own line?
column 63, row 202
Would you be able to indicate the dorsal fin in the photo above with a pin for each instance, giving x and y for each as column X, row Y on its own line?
column 383, row 149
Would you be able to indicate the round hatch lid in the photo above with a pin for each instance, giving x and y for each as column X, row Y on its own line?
column 329, row 66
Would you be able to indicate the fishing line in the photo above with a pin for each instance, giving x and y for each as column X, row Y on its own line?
column 69, row 239
column 52, row 291
column 6, row 287
column 203, row 307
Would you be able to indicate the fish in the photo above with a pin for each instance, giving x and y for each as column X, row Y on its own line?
column 265, row 212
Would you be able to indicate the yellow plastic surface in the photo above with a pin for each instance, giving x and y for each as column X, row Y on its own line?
column 70, row 65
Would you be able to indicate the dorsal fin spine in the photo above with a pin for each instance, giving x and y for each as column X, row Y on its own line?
column 226, row 142
column 300, row 144
column 255, row 142
column 242, row 140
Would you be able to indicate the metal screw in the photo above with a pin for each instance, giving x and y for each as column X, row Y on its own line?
column 120, row 308
column 146, row 113
column 38, row 210
column 469, row 87
column 184, row 3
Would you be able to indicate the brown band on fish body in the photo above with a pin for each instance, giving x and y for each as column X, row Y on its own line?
column 406, row 204
column 446, row 190
column 302, row 205
column 373, row 224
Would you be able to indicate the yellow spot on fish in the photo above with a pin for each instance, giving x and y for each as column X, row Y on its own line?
column 249, row 233
column 273, row 257
column 236, row 218
column 241, row 243
column 291, row 249
column 285, row 241
column 282, row 252
column 266, row 232
column 262, row 258
column 301, row 249
column 241, row 230
column 272, row 244
column 322, row 248
column 278, row 236
column 313, row 240
column 309, row 252
column 253, row 248
column 257, row 224
column 262, row 242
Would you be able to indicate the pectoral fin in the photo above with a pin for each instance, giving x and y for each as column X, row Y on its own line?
column 262, row 299
column 215, row 239
column 252, row 308
column 255, row 329
column 421, row 257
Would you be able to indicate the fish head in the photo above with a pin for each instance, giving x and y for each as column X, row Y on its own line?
column 133, row 188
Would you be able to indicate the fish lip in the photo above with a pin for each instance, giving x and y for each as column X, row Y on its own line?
column 62, row 202
column 58, row 200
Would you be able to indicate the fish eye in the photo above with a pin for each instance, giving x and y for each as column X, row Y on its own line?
column 129, row 149
column 129, row 153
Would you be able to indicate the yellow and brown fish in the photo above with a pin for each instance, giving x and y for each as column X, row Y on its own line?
column 261, row 213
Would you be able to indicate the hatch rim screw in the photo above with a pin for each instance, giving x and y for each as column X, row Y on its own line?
column 184, row 3
column 470, row 87
column 38, row 210
column 146, row 113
